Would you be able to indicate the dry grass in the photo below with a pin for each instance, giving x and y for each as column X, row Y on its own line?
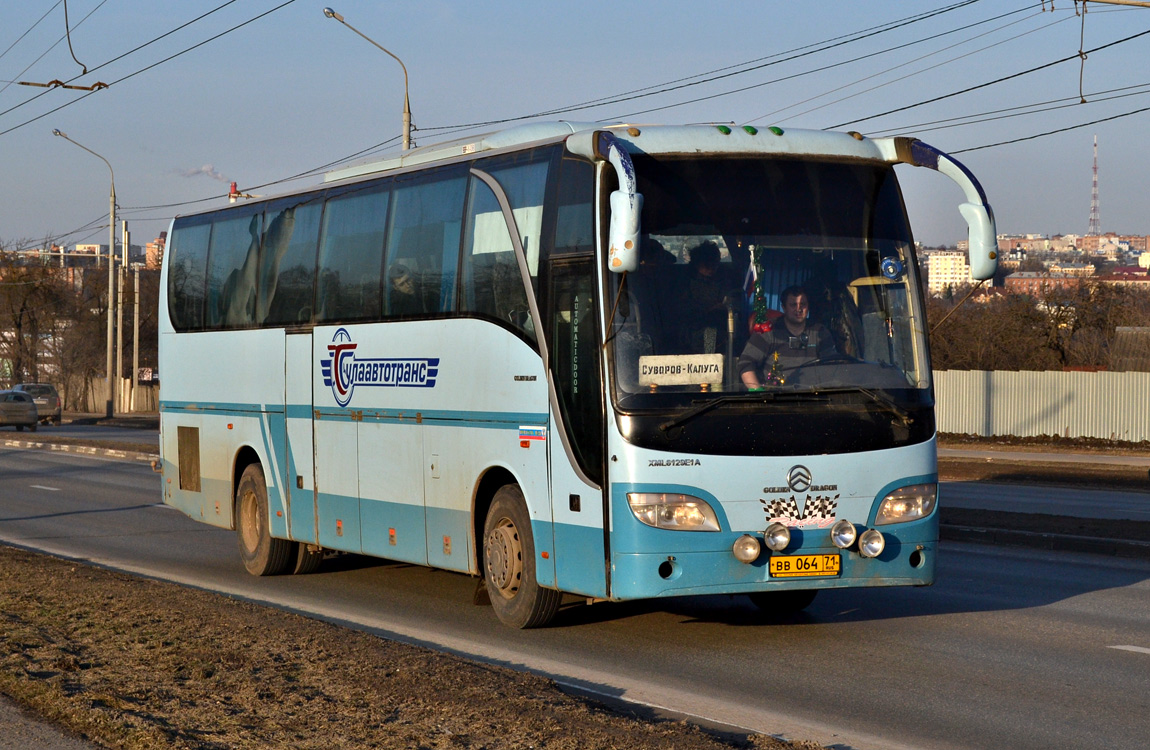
column 132, row 663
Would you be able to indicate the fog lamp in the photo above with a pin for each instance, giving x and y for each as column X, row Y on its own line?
column 747, row 549
column 777, row 537
column 871, row 543
column 843, row 533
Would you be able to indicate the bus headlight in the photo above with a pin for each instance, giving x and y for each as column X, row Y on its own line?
column 871, row 543
column 907, row 504
column 666, row 510
column 777, row 537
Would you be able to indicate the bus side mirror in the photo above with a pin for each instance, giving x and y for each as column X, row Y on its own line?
column 981, row 233
column 982, row 240
column 626, row 202
column 623, row 236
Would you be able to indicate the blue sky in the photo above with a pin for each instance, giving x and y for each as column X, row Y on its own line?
column 294, row 90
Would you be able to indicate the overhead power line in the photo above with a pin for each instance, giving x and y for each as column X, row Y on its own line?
column 721, row 73
column 1021, row 110
column 1052, row 132
column 148, row 67
column 996, row 81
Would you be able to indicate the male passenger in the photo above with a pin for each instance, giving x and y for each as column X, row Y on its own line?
column 770, row 356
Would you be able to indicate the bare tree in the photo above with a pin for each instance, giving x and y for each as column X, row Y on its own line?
column 31, row 294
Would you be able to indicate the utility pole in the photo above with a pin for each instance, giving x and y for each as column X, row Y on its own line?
column 135, row 336
column 110, row 403
column 120, row 317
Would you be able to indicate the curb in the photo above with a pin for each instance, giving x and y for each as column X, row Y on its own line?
column 86, row 450
column 1127, row 548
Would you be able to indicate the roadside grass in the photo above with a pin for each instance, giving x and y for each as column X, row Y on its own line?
column 134, row 663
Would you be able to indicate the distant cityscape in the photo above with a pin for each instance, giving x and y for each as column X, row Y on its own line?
column 1034, row 263
column 148, row 256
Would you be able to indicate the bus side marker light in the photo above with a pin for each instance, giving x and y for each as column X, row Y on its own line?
column 843, row 533
column 871, row 543
column 447, row 545
column 230, row 425
column 546, row 555
column 777, row 537
column 524, row 443
column 747, row 549
column 339, row 528
column 279, row 514
column 775, row 129
column 391, row 537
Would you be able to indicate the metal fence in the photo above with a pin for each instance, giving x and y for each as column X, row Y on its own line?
column 94, row 399
column 1109, row 405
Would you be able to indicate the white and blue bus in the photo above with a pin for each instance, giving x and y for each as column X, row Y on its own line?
column 530, row 357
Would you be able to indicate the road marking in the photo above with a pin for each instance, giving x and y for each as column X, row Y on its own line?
column 1136, row 649
column 43, row 487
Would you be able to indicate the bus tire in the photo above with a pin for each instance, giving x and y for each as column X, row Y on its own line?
column 509, row 564
column 306, row 559
column 262, row 555
column 786, row 602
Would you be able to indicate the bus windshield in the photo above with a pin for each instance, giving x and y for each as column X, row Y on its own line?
column 761, row 276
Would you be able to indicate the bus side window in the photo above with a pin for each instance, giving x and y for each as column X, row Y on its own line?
column 492, row 281
column 287, row 266
column 350, row 257
column 187, row 275
column 233, row 268
column 575, row 219
column 423, row 246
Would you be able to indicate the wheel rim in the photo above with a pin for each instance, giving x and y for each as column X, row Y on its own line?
column 249, row 521
column 504, row 558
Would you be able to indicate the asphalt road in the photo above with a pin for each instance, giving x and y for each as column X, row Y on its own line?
column 1011, row 648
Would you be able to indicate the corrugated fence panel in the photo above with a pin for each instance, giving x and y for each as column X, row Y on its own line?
column 1110, row 405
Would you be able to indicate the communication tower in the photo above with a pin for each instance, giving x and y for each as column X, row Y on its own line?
column 1095, row 221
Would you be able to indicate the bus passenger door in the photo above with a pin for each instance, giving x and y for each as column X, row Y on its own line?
column 299, row 469
column 576, row 465
column 336, row 433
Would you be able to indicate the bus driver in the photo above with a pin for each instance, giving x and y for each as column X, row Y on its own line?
column 790, row 342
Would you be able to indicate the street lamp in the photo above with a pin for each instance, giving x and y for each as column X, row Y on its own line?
column 406, row 104
column 111, row 262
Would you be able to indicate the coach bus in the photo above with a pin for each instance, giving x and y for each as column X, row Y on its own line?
column 613, row 362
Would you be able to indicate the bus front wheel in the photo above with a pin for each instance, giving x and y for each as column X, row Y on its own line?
column 509, row 564
column 262, row 555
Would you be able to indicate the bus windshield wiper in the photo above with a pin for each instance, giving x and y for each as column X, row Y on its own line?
column 887, row 403
column 735, row 398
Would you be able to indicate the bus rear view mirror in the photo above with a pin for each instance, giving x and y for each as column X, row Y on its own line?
column 626, row 202
column 983, row 241
column 981, row 233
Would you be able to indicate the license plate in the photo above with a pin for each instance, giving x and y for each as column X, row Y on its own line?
column 798, row 566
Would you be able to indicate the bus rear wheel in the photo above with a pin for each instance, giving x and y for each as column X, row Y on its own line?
column 262, row 555
column 509, row 564
column 786, row 602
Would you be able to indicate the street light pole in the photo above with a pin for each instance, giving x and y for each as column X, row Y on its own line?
column 406, row 102
column 111, row 262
